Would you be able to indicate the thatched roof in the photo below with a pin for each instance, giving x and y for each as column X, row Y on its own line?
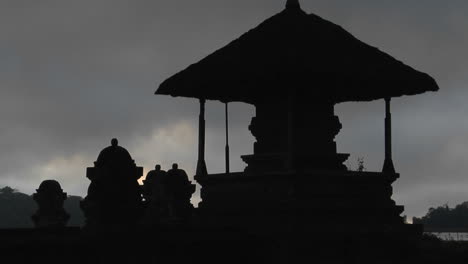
column 296, row 52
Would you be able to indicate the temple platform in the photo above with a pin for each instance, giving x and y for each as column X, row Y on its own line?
column 342, row 202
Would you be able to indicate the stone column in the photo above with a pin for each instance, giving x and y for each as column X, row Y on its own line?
column 388, row 163
column 227, row 139
column 201, row 165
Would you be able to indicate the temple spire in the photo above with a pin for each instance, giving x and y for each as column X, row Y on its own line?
column 293, row 4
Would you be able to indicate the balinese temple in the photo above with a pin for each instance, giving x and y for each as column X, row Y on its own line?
column 294, row 68
column 295, row 202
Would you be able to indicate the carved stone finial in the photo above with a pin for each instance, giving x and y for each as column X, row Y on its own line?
column 293, row 4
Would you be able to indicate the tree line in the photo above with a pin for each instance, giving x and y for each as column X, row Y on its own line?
column 445, row 217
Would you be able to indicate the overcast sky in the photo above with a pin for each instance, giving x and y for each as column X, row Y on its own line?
column 75, row 73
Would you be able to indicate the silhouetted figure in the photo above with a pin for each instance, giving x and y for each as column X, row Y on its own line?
column 179, row 191
column 50, row 198
column 155, row 194
column 114, row 198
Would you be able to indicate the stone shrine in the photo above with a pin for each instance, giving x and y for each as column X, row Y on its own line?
column 114, row 199
column 50, row 198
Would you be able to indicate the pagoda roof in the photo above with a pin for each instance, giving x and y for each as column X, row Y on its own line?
column 298, row 53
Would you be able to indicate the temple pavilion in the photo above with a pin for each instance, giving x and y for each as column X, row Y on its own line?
column 294, row 68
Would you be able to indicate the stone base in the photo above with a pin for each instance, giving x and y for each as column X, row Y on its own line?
column 106, row 215
column 309, row 202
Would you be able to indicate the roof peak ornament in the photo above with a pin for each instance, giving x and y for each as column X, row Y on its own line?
column 293, row 4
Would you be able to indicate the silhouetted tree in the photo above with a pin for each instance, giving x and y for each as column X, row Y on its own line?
column 15, row 208
column 445, row 217
column 7, row 190
column 72, row 206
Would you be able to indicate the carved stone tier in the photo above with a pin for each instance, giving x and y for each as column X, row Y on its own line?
column 294, row 134
column 346, row 202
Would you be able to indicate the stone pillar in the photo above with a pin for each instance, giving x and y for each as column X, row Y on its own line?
column 388, row 163
column 201, row 165
column 227, row 139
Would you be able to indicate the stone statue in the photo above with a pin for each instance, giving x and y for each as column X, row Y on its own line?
column 114, row 199
column 155, row 194
column 179, row 192
column 50, row 198
column 154, row 185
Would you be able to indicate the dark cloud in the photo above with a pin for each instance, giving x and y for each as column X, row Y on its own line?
column 74, row 74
